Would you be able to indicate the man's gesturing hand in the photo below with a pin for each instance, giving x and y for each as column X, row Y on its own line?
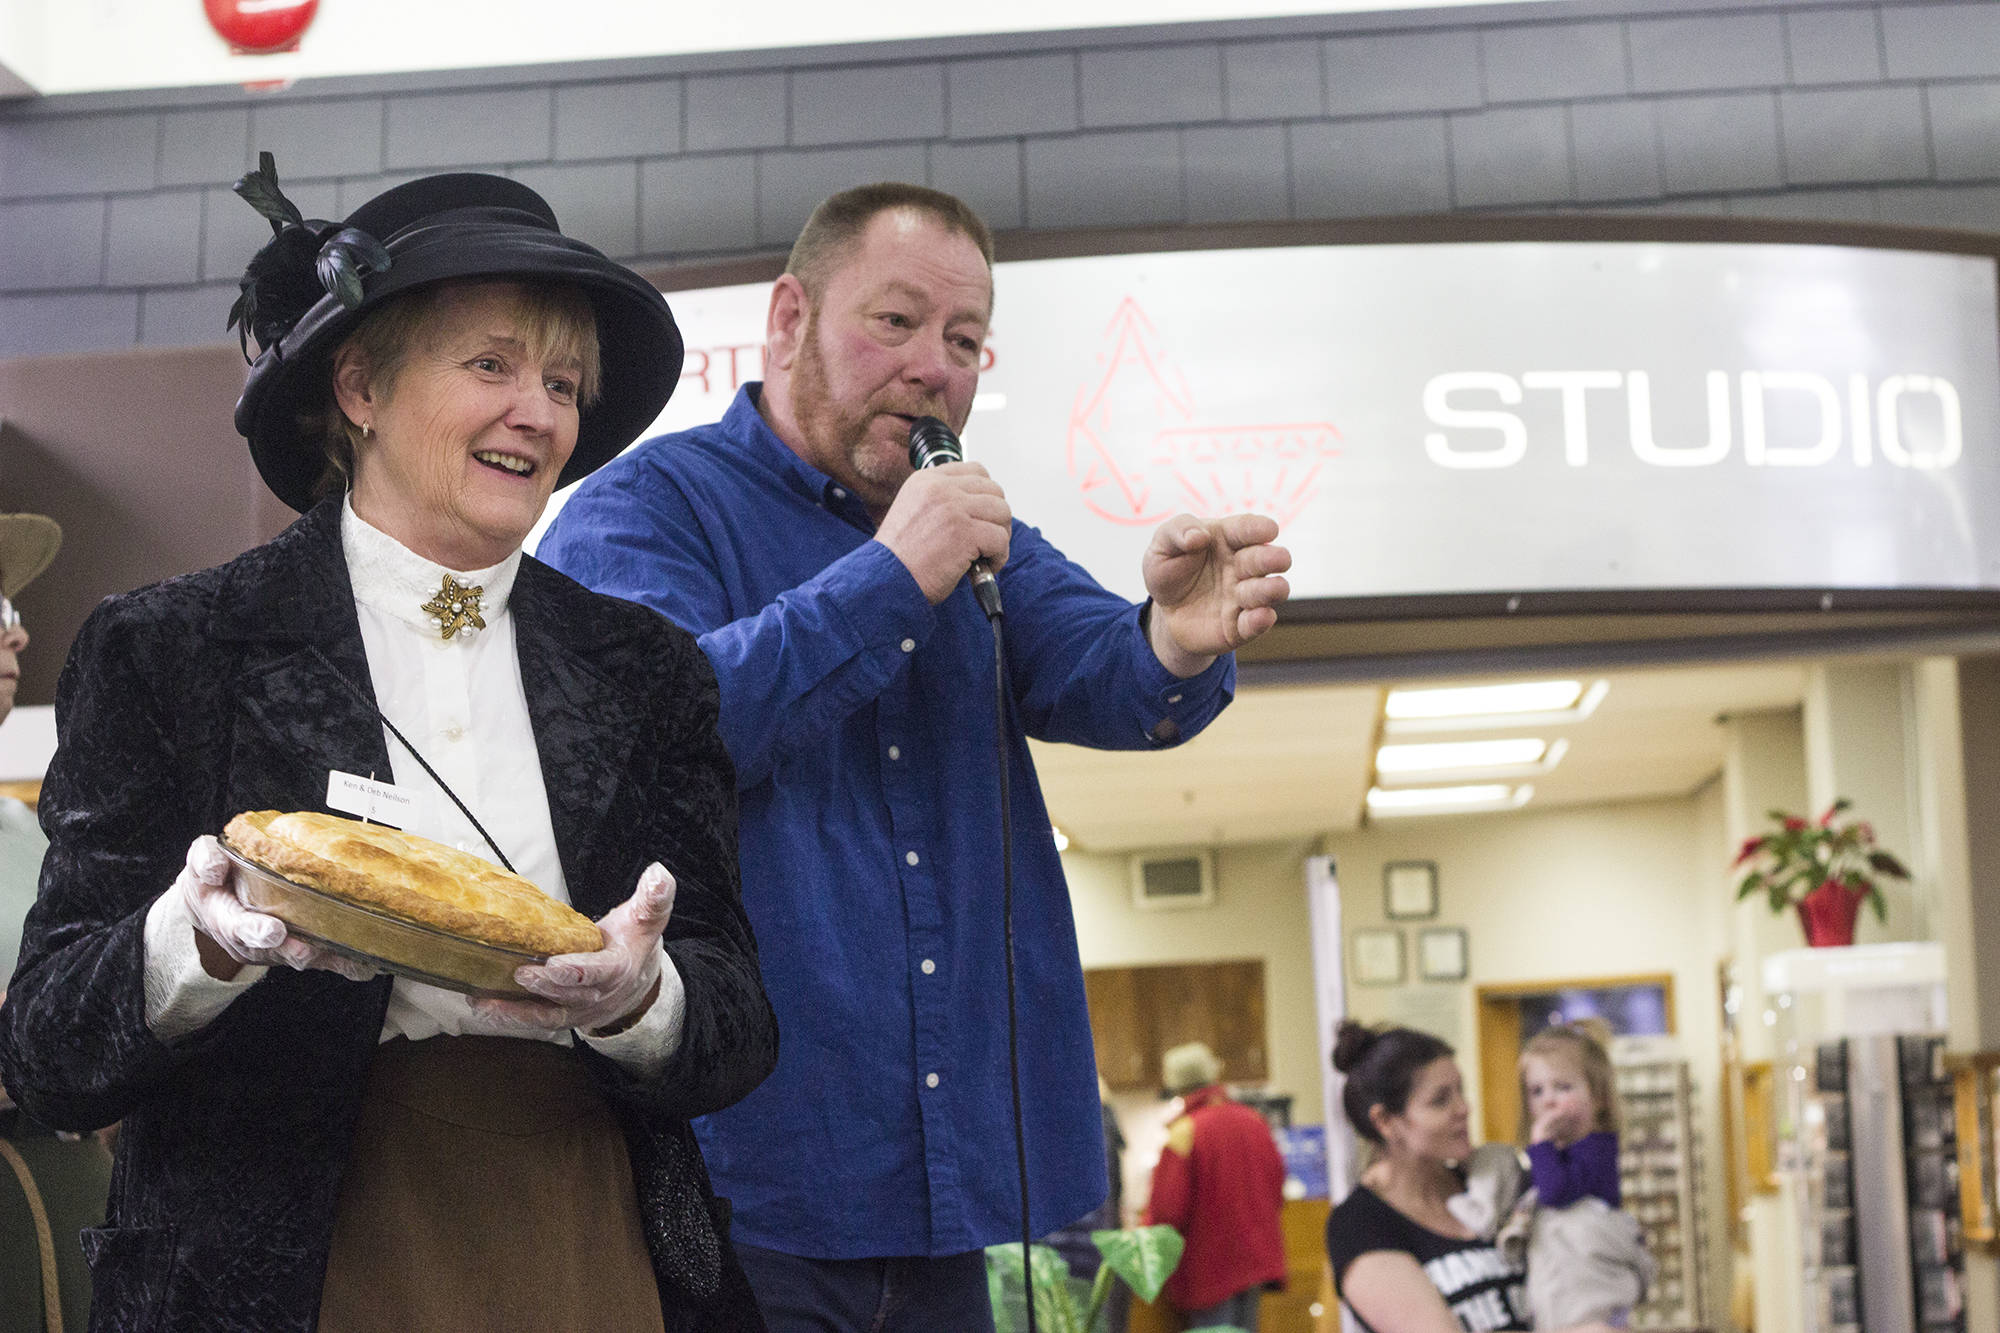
column 608, row 989
column 1215, row 586
column 945, row 518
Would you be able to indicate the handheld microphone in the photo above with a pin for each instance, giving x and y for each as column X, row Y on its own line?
column 932, row 443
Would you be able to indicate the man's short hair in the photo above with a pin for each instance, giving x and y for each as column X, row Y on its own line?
column 835, row 227
column 1187, row 1067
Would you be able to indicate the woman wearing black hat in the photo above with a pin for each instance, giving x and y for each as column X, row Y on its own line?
column 305, row 1144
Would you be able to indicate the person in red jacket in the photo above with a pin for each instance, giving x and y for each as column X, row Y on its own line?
column 1221, row 1182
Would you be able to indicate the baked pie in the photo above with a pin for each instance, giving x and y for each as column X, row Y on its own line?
column 411, row 878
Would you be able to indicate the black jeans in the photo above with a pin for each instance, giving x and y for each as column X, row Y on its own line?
column 909, row 1295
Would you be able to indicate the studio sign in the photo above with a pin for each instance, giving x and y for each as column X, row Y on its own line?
column 1908, row 421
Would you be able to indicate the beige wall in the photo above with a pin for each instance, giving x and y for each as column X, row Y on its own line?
column 1546, row 896
column 1603, row 891
column 1259, row 912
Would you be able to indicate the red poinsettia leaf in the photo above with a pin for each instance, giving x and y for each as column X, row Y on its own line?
column 1751, row 846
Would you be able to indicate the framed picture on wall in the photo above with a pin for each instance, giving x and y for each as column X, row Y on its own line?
column 1378, row 957
column 1410, row 890
column 1441, row 954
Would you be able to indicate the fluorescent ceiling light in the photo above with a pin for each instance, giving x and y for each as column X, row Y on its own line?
column 1535, row 696
column 1468, row 761
column 1440, row 756
column 1549, row 703
column 1462, row 800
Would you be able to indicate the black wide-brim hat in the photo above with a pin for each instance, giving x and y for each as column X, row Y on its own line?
column 457, row 226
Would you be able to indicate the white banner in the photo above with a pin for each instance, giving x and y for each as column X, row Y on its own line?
column 1490, row 416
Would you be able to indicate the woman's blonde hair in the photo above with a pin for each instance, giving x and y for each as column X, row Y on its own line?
column 557, row 323
column 1583, row 1043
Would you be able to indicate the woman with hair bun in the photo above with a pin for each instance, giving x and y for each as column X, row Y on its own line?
column 1402, row 1261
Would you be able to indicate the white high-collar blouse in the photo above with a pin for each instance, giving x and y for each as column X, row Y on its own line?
column 461, row 702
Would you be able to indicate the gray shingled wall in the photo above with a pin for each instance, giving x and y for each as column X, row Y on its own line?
column 117, row 226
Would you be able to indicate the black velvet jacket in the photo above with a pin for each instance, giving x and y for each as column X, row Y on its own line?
column 189, row 701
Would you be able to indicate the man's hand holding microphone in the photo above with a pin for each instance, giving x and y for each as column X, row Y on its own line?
column 1215, row 584
column 947, row 516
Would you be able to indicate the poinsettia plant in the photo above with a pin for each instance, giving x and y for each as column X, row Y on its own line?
column 1801, row 856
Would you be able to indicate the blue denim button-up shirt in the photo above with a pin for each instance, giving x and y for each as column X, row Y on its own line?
column 861, row 721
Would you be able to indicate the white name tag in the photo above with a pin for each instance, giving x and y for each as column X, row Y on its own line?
column 377, row 802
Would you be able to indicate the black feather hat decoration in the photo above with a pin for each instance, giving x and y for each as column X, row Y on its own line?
column 305, row 260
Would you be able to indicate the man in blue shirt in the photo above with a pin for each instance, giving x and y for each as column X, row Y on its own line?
column 826, row 581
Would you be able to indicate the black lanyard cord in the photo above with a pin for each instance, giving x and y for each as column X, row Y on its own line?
column 395, row 731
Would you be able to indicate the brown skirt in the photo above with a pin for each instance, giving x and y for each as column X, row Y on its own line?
column 489, row 1189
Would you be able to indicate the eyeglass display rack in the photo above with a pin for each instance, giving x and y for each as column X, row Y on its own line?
column 1870, row 1138
column 1878, row 1125
column 1659, row 1165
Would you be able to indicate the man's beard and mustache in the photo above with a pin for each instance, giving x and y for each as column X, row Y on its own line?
column 841, row 431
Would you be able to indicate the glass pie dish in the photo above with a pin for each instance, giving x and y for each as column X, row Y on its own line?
column 406, row 948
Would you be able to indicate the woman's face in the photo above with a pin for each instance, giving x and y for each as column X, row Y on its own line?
column 467, row 440
column 1435, row 1124
column 13, row 638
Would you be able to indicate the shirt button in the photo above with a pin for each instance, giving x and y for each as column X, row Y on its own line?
column 909, row 645
column 929, row 967
column 454, row 732
column 1166, row 731
column 1173, row 698
column 930, row 1080
column 895, row 752
column 911, row 857
column 839, row 494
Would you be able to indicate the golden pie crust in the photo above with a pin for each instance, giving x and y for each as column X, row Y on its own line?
column 413, row 878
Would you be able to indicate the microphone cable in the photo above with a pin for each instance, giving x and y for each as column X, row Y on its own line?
column 994, row 618
column 932, row 442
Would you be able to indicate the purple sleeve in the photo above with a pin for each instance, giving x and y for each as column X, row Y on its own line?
column 1588, row 1167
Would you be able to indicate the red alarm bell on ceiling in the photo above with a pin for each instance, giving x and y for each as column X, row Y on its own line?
column 261, row 27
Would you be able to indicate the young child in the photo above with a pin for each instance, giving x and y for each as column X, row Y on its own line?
column 1585, row 1258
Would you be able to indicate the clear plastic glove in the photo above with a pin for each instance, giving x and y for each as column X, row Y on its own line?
column 600, row 993
column 232, row 935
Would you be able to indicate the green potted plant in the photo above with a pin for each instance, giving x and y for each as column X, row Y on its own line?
column 1822, row 869
column 1142, row 1257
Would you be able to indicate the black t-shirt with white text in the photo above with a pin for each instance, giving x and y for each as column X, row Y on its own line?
column 1484, row 1291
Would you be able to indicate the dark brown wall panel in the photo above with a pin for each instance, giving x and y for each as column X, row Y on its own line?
column 133, row 453
column 1138, row 1013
